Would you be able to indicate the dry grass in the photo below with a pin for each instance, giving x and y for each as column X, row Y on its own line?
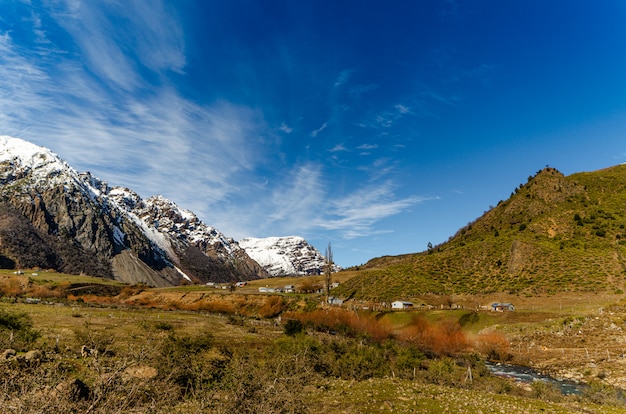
column 146, row 351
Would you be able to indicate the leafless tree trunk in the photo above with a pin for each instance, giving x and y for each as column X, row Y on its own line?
column 328, row 271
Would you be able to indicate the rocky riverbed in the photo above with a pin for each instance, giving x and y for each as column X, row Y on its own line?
column 584, row 348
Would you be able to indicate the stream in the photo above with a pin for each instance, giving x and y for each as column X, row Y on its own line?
column 529, row 375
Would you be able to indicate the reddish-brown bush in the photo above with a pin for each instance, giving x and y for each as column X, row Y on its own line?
column 343, row 321
column 273, row 306
column 445, row 338
column 10, row 286
column 41, row 291
column 494, row 345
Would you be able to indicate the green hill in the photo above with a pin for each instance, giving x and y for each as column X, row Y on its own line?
column 554, row 234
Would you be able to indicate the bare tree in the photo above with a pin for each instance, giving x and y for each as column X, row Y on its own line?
column 329, row 270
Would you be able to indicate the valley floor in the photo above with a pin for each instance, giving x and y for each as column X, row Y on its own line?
column 198, row 350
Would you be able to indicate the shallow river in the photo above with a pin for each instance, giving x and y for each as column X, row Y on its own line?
column 528, row 375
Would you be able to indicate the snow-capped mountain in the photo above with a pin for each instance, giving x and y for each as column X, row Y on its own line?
column 52, row 216
column 285, row 256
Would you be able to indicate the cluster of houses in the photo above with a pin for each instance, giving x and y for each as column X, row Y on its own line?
column 332, row 300
column 285, row 289
column 496, row 306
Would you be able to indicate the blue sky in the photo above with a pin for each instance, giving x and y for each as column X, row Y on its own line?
column 377, row 126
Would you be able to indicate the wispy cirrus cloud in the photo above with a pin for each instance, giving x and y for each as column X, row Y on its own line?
column 285, row 128
column 320, row 129
column 106, row 100
column 343, row 77
column 309, row 202
column 402, row 109
column 100, row 114
column 356, row 214
column 338, row 148
column 387, row 118
column 151, row 38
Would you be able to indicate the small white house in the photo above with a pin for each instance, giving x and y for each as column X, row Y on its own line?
column 289, row 289
column 332, row 300
column 400, row 304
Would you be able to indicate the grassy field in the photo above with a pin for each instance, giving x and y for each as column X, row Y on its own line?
column 102, row 356
column 131, row 337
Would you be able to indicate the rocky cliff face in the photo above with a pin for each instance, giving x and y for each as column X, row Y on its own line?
column 53, row 217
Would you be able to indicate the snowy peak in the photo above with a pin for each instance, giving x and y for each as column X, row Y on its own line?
column 108, row 231
column 21, row 159
column 285, row 256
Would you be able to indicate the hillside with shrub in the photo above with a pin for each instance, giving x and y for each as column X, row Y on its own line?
column 555, row 233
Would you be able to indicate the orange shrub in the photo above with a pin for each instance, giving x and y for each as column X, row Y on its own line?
column 494, row 345
column 343, row 321
column 272, row 307
column 39, row 291
column 10, row 286
column 215, row 306
column 445, row 338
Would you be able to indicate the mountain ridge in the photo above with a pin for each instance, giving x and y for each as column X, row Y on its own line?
column 555, row 233
column 77, row 223
column 54, row 217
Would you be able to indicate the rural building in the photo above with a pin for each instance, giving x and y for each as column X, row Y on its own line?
column 502, row 307
column 399, row 304
column 335, row 301
column 266, row 289
column 289, row 289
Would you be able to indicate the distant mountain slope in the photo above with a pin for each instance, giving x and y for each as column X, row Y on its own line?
column 285, row 256
column 553, row 234
column 53, row 217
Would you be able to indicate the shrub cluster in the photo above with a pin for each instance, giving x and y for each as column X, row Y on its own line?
column 344, row 322
column 16, row 331
column 445, row 338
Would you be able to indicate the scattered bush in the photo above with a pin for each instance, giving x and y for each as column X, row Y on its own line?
column 16, row 330
column 293, row 327
column 163, row 326
column 600, row 393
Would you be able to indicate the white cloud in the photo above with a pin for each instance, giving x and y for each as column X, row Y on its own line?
column 285, row 128
column 147, row 137
column 402, row 109
column 367, row 146
column 320, row 129
column 99, row 114
column 151, row 38
column 355, row 214
column 343, row 77
column 338, row 148
column 308, row 202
